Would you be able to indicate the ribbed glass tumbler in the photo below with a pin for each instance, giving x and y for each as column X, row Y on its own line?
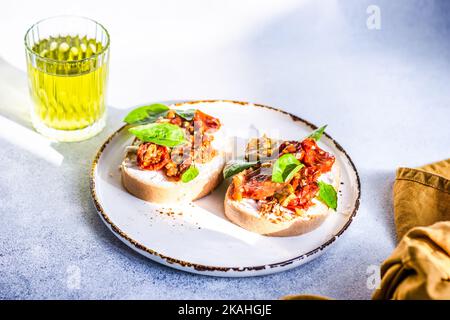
column 67, row 60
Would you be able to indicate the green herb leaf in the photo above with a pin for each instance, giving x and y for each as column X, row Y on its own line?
column 291, row 174
column 284, row 166
column 234, row 167
column 328, row 195
column 146, row 114
column 186, row 114
column 317, row 134
column 190, row 174
column 164, row 134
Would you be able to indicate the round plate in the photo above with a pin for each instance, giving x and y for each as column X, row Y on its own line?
column 197, row 237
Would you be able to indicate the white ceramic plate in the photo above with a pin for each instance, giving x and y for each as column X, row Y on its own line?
column 197, row 237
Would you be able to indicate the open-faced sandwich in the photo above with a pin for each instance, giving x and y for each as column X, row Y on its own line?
column 173, row 157
column 288, row 189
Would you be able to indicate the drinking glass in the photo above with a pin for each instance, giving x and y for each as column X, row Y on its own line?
column 67, row 62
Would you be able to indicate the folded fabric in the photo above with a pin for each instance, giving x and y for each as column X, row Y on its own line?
column 419, row 268
column 421, row 196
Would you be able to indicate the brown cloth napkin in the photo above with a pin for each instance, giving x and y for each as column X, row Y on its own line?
column 419, row 268
column 421, row 196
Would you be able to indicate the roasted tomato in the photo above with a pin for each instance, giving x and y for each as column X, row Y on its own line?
column 253, row 184
column 174, row 118
column 207, row 122
column 316, row 157
column 294, row 147
column 307, row 175
column 176, row 121
column 150, row 156
column 180, row 161
column 304, row 197
column 236, row 187
column 259, row 186
column 174, row 170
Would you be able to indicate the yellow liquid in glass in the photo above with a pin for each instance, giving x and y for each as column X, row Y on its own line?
column 69, row 93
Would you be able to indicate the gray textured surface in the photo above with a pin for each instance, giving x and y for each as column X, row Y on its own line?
column 384, row 94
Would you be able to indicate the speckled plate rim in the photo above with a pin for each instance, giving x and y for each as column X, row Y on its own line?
column 212, row 270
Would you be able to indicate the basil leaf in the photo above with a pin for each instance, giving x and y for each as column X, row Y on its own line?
column 327, row 195
column 186, row 114
column 283, row 167
column 146, row 114
column 190, row 174
column 317, row 134
column 291, row 174
column 234, row 167
column 164, row 134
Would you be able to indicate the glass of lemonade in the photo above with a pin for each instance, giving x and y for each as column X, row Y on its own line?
column 67, row 59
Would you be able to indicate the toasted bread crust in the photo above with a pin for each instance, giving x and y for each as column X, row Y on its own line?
column 250, row 219
column 172, row 192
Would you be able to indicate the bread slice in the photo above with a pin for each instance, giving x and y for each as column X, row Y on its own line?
column 154, row 186
column 245, row 214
